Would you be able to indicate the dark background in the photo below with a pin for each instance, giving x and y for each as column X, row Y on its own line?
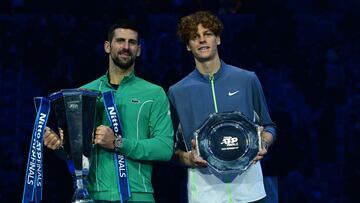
column 306, row 54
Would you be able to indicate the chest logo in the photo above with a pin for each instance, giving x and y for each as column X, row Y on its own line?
column 233, row 93
column 135, row 101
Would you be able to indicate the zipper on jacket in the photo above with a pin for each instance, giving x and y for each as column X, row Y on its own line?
column 211, row 77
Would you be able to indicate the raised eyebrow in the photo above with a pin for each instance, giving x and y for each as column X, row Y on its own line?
column 119, row 39
column 123, row 39
column 208, row 32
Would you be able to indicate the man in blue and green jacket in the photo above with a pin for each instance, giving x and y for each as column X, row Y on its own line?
column 143, row 108
column 212, row 87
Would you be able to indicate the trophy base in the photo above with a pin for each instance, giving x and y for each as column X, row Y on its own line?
column 81, row 195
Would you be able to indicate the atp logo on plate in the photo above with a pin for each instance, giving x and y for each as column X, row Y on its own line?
column 230, row 143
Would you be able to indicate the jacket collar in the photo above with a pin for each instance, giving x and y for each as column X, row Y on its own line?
column 216, row 75
column 126, row 79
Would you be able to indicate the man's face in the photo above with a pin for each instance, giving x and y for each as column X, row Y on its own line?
column 203, row 44
column 124, row 48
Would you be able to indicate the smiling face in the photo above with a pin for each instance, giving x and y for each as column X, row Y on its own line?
column 203, row 44
column 123, row 48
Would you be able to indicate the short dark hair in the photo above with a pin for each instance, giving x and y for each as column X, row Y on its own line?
column 187, row 26
column 124, row 23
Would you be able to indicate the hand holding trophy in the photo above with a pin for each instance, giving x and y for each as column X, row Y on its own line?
column 74, row 112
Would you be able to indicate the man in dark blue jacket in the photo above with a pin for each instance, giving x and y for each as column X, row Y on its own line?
column 213, row 87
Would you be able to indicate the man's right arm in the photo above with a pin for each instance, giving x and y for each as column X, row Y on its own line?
column 181, row 156
column 190, row 158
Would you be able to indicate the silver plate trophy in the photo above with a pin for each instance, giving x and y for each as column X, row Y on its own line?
column 229, row 142
column 74, row 111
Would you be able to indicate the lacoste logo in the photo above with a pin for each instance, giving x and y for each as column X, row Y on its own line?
column 135, row 101
column 232, row 93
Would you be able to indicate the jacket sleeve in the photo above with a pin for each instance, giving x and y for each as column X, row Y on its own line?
column 159, row 145
column 178, row 138
column 261, row 107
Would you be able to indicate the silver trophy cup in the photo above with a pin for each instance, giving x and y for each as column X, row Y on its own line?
column 74, row 111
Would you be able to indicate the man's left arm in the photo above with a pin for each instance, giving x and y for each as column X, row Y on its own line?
column 268, row 134
column 261, row 109
column 159, row 145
